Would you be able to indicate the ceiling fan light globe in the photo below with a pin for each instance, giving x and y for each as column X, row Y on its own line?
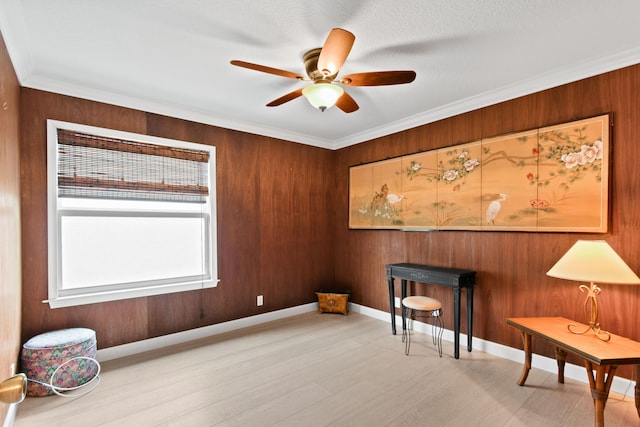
column 322, row 95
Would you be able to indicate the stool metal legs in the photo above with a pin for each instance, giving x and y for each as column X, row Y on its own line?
column 437, row 328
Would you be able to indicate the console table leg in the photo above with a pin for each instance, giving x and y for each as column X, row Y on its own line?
column 526, row 339
column 392, row 305
column 600, row 386
column 403, row 295
column 638, row 389
column 456, row 323
column 561, row 358
column 469, row 317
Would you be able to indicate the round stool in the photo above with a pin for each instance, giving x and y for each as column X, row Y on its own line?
column 43, row 354
column 421, row 306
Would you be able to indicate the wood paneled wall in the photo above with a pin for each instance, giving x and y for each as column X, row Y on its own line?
column 510, row 266
column 10, row 285
column 275, row 225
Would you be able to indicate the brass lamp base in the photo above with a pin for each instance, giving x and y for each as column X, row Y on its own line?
column 603, row 335
column 591, row 311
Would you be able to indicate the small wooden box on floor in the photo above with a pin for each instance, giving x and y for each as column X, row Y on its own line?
column 333, row 302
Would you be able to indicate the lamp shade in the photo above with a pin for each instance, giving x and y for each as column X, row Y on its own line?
column 593, row 261
column 322, row 95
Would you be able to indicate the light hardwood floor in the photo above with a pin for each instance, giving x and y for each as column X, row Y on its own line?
column 320, row 370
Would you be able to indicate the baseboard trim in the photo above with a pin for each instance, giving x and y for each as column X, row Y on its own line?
column 136, row 347
column 619, row 385
column 11, row 415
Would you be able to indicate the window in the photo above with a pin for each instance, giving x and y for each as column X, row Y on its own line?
column 129, row 215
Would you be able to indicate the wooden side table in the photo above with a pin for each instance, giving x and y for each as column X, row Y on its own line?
column 599, row 356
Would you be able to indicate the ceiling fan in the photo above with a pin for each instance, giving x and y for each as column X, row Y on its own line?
column 322, row 66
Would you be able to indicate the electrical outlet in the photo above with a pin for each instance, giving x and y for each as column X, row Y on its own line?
column 260, row 300
column 397, row 302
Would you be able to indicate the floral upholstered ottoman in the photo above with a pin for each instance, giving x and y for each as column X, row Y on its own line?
column 67, row 353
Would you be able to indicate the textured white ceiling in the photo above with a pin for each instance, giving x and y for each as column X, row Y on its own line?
column 172, row 57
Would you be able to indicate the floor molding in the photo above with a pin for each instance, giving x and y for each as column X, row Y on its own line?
column 619, row 385
column 194, row 334
column 11, row 415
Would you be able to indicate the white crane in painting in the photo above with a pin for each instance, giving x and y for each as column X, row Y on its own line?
column 494, row 207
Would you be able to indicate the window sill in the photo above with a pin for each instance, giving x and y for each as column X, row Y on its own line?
column 93, row 298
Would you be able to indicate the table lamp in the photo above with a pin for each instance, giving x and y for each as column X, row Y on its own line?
column 593, row 261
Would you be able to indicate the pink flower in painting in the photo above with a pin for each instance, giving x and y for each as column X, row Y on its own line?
column 571, row 160
column 530, row 176
column 416, row 167
column 598, row 146
column 450, row 175
column 470, row 164
column 443, row 203
column 589, row 153
column 539, row 203
column 463, row 154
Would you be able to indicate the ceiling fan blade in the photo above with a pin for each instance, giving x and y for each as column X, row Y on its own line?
column 286, row 98
column 379, row 78
column 335, row 51
column 346, row 103
column 270, row 70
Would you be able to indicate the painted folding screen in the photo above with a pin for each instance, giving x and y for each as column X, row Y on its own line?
column 549, row 179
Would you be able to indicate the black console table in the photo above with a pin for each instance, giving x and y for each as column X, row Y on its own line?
column 451, row 277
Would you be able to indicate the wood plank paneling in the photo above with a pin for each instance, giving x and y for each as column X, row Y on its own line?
column 10, row 281
column 275, row 225
column 511, row 266
column 296, row 210
column 115, row 322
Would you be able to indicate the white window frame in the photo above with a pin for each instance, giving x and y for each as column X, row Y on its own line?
column 59, row 297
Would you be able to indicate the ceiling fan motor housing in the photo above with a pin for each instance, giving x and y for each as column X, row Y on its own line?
column 311, row 66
